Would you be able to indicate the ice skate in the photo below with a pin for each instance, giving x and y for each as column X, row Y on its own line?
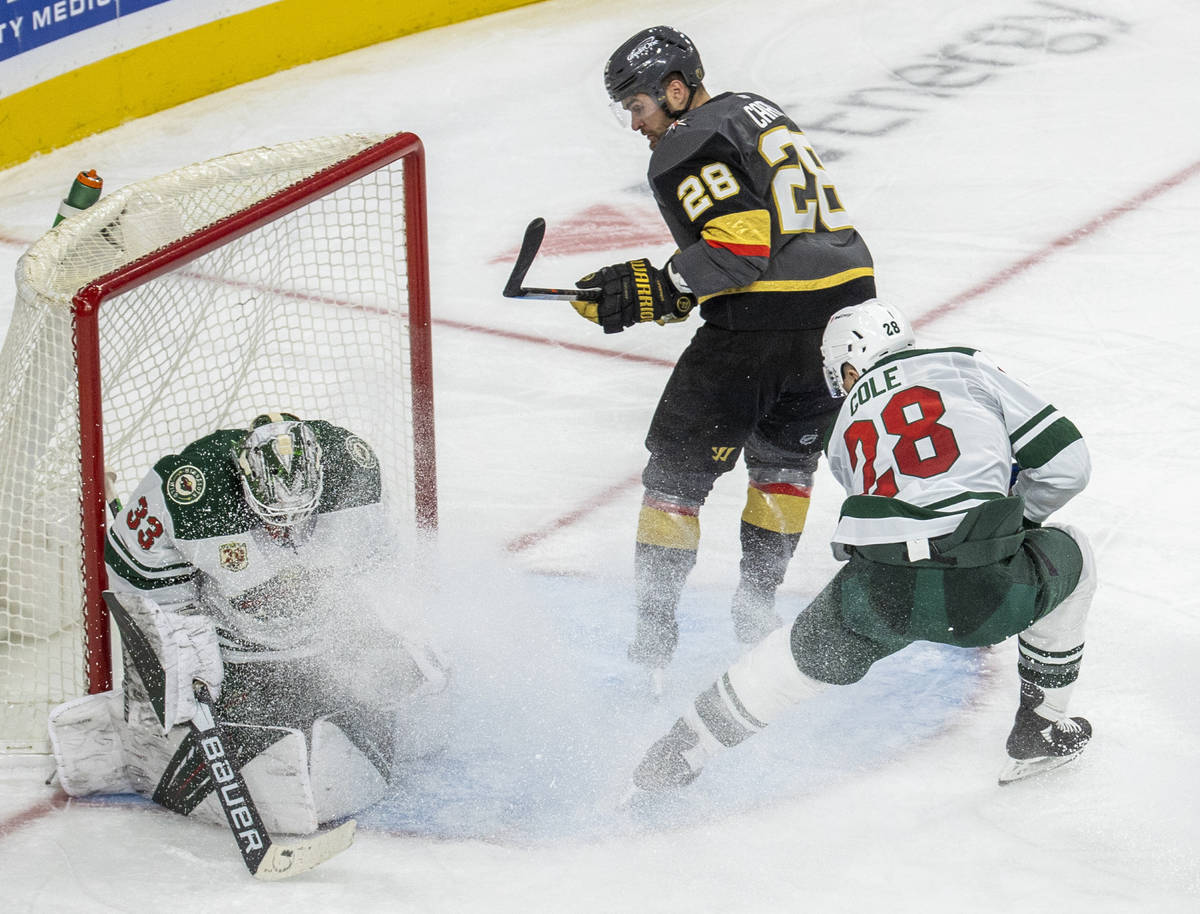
column 673, row 761
column 754, row 615
column 654, row 642
column 1037, row 745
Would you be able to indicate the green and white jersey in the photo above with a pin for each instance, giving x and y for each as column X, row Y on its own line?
column 187, row 540
column 925, row 435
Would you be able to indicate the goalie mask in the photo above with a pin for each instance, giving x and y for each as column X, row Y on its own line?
column 279, row 465
column 862, row 335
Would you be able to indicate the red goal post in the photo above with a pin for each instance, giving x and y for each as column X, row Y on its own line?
column 293, row 277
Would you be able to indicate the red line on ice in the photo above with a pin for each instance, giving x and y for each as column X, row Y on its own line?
column 17, row 820
column 599, row 500
column 1058, row 244
column 556, row 344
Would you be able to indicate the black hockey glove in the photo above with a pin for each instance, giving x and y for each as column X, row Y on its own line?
column 632, row 292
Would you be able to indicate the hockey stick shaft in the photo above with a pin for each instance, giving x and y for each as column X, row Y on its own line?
column 263, row 857
column 228, row 784
column 515, row 288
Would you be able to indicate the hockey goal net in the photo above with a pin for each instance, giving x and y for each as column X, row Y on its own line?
column 292, row 277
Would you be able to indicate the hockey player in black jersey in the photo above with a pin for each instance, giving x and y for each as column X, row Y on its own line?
column 768, row 252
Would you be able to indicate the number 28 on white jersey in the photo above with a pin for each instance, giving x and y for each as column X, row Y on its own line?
column 940, row 429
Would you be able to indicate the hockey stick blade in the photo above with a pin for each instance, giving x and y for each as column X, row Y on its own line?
column 285, row 860
column 534, row 233
column 514, row 288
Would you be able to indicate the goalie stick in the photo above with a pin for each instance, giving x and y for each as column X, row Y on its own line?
column 534, row 232
column 264, row 858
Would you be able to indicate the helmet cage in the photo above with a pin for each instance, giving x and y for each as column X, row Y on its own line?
column 861, row 335
column 279, row 467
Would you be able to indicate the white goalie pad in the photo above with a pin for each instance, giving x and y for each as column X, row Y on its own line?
column 85, row 737
column 169, row 650
column 383, row 669
column 278, row 780
column 297, row 789
column 97, row 752
column 343, row 779
column 434, row 674
column 410, row 679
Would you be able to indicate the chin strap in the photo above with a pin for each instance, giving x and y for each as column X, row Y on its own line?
column 676, row 115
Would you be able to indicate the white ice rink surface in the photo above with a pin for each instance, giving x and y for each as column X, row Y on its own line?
column 1027, row 174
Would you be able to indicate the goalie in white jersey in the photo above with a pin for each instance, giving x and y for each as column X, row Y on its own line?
column 941, row 543
column 249, row 562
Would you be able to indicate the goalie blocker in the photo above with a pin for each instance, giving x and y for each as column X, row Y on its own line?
column 136, row 739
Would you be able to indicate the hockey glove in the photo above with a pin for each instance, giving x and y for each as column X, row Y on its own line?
column 632, row 292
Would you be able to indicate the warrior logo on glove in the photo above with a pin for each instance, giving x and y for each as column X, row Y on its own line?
column 631, row 293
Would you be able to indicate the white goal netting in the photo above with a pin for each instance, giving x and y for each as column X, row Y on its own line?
column 308, row 311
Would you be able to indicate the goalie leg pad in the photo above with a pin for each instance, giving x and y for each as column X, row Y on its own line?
column 434, row 673
column 278, row 779
column 395, row 672
column 273, row 762
column 344, row 777
column 85, row 736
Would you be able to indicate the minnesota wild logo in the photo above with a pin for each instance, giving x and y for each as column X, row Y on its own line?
column 360, row 452
column 186, row 485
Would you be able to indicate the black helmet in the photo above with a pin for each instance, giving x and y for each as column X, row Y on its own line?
column 649, row 57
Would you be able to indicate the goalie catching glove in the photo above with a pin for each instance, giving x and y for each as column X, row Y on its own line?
column 634, row 292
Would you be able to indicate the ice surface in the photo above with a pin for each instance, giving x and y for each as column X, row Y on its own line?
column 1025, row 172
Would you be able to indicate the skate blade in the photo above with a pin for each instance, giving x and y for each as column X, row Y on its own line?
column 658, row 681
column 1022, row 769
column 626, row 799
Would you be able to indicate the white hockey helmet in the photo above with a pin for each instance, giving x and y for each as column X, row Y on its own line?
column 862, row 335
column 279, row 466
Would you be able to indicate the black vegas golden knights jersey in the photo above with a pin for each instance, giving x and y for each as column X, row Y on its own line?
column 764, row 240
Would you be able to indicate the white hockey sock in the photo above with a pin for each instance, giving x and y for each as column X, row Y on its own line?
column 1052, row 674
column 760, row 686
